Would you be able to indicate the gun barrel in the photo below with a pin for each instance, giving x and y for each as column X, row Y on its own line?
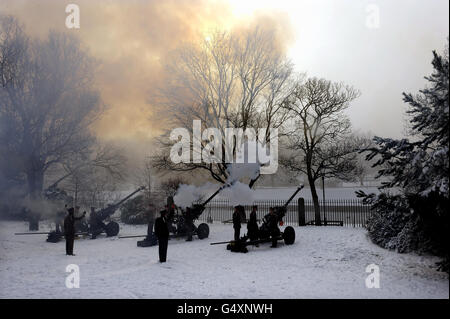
column 127, row 197
column 108, row 211
column 36, row 233
column 293, row 195
column 132, row 236
column 211, row 197
column 215, row 193
column 222, row 242
column 47, row 233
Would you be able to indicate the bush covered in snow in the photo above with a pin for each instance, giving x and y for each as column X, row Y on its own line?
column 416, row 219
column 409, row 223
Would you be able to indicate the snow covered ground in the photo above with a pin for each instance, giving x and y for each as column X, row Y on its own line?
column 324, row 262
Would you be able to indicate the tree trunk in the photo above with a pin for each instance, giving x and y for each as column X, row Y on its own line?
column 312, row 185
column 76, row 193
column 315, row 199
column 35, row 179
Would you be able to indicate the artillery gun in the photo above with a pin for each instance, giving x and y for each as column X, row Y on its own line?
column 96, row 224
column 264, row 233
column 181, row 222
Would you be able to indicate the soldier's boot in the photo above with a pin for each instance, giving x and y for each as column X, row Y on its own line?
column 274, row 244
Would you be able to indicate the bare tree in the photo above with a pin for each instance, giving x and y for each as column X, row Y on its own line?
column 91, row 177
column 319, row 141
column 230, row 80
column 46, row 101
column 144, row 176
column 170, row 186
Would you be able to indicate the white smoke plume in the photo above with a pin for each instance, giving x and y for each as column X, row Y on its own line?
column 247, row 166
column 239, row 194
column 187, row 195
column 237, row 171
column 42, row 207
column 250, row 157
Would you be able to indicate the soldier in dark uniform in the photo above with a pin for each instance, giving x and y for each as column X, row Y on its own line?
column 33, row 219
column 236, row 223
column 252, row 225
column 69, row 230
column 273, row 227
column 189, row 223
column 94, row 224
column 162, row 232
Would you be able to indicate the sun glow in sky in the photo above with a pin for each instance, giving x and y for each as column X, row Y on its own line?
column 330, row 39
column 335, row 40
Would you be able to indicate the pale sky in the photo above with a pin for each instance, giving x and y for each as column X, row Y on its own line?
column 333, row 41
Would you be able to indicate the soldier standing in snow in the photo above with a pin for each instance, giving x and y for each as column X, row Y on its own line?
column 252, row 225
column 189, row 223
column 273, row 226
column 236, row 223
column 162, row 232
column 69, row 230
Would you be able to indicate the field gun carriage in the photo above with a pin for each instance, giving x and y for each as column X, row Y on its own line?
column 180, row 221
column 264, row 234
column 95, row 225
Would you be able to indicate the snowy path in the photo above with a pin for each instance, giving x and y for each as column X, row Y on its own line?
column 327, row 262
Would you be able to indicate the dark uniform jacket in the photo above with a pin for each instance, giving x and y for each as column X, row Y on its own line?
column 161, row 228
column 236, row 219
column 252, row 224
column 69, row 224
column 273, row 223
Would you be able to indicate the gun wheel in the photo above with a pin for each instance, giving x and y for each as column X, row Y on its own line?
column 112, row 229
column 82, row 226
column 203, row 231
column 54, row 237
column 289, row 235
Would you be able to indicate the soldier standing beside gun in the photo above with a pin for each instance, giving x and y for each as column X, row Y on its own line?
column 189, row 224
column 94, row 224
column 69, row 230
column 162, row 232
column 236, row 223
column 273, row 226
column 252, row 225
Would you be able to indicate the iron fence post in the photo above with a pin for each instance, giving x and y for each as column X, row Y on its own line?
column 301, row 211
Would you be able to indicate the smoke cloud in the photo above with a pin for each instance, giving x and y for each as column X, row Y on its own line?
column 131, row 40
column 239, row 194
column 187, row 195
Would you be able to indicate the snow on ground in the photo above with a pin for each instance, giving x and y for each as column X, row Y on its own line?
column 324, row 262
